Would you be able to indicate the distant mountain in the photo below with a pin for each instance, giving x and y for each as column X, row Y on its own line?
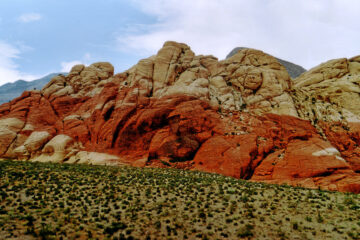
column 293, row 69
column 10, row 91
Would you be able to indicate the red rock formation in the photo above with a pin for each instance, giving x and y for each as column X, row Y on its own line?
column 161, row 113
column 346, row 138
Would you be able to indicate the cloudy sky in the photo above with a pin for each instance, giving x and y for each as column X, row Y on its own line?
column 38, row 37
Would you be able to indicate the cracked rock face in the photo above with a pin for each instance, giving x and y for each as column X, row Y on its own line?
column 328, row 96
column 331, row 90
column 250, row 79
column 235, row 117
column 293, row 69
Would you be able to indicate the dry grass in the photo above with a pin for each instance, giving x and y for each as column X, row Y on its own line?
column 54, row 201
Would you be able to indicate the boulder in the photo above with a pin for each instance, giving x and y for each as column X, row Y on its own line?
column 9, row 129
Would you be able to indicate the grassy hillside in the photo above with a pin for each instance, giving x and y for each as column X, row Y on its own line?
column 53, row 201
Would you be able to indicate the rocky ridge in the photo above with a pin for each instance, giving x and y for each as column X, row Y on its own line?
column 293, row 69
column 9, row 91
column 241, row 117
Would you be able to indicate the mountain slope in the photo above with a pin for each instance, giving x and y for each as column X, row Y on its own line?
column 10, row 91
column 293, row 69
column 236, row 117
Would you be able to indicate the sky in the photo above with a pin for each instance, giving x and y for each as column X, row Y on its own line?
column 38, row 37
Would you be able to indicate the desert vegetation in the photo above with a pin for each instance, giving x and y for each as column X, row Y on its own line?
column 62, row 201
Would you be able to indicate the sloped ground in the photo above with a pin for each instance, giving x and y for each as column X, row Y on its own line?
column 54, row 201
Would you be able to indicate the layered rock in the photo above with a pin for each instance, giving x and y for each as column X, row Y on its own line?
column 330, row 91
column 234, row 117
column 328, row 96
column 250, row 79
column 294, row 70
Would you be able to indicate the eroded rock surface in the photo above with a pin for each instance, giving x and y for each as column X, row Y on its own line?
column 250, row 79
column 293, row 69
column 235, row 117
column 330, row 91
column 328, row 96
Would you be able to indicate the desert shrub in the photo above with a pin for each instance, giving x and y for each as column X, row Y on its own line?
column 245, row 231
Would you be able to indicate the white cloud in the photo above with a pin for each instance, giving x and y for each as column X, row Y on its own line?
column 305, row 32
column 29, row 17
column 8, row 69
column 67, row 65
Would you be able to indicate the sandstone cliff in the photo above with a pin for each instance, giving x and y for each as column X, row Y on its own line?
column 328, row 96
column 293, row 69
column 235, row 117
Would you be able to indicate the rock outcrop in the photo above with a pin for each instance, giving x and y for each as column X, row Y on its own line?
column 250, row 79
column 235, row 117
column 9, row 91
column 330, row 91
column 328, row 96
column 294, row 70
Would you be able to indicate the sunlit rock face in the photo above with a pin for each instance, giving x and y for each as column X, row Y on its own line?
column 294, row 70
column 328, row 96
column 241, row 117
